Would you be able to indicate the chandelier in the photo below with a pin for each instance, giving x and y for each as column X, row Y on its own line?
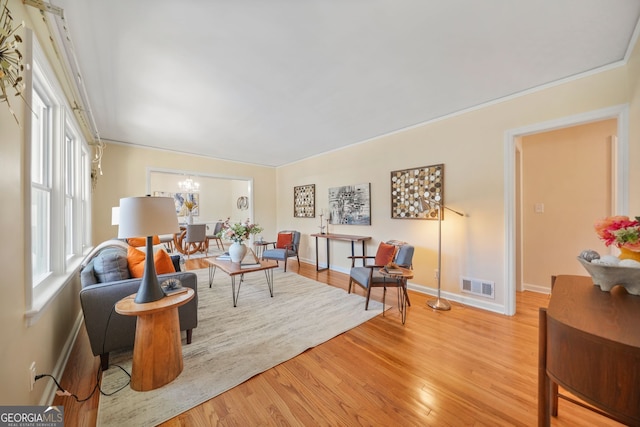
column 189, row 186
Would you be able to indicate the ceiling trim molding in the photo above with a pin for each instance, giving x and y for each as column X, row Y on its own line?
column 632, row 42
column 186, row 153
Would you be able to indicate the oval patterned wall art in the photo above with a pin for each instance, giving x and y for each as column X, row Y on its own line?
column 416, row 192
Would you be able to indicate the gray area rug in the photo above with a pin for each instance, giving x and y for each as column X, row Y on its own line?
column 232, row 344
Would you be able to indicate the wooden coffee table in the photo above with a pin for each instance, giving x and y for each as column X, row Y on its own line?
column 235, row 269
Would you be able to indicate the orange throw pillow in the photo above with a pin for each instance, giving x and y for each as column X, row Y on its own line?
column 385, row 253
column 284, row 240
column 163, row 262
column 142, row 241
column 136, row 259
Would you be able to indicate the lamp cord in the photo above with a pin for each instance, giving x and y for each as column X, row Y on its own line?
column 62, row 392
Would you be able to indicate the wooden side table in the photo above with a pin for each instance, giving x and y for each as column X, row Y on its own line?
column 399, row 280
column 261, row 246
column 157, row 350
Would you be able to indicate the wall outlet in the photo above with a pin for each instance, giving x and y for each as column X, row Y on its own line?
column 436, row 274
column 32, row 375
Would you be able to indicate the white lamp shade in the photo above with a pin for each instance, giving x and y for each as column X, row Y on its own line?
column 147, row 216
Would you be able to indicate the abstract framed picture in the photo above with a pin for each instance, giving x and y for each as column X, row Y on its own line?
column 350, row 204
column 416, row 192
column 179, row 199
column 304, row 201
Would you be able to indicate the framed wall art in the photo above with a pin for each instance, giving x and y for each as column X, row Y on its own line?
column 179, row 199
column 304, row 201
column 412, row 190
column 350, row 204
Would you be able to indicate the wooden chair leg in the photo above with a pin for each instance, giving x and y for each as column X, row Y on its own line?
column 189, row 335
column 384, row 295
column 366, row 304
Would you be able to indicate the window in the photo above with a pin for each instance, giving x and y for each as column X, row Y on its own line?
column 70, row 172
column 41, row 148
column 60, row 188
column 85, row 196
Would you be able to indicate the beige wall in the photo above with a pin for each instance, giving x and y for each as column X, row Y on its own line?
column 470, row 145
column 633, row 77
column 568, row 171
column 217, row 197
column 46, row 341
column 125, row 175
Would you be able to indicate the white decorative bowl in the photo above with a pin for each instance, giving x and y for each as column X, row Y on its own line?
column 608, row 276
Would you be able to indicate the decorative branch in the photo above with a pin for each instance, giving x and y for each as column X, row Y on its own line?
column 11, row 66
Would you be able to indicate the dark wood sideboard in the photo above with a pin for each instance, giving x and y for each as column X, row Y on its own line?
column 589, row 344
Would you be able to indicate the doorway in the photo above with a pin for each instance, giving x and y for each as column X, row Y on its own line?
column 218, row 197
column 514, row 266
column 566, row 185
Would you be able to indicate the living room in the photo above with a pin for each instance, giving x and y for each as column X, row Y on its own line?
column 476, row 245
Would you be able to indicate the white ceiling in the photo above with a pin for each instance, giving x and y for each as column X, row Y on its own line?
column 274, row 81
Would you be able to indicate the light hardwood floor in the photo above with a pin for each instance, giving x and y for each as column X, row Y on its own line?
column 464, row 367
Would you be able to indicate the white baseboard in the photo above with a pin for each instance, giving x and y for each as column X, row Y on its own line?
column 462, row 299
column 50, row 390
column 459, row 298
column 324, row 265
column 536, row 288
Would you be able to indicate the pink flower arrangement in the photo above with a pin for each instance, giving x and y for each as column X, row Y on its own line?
column 238, row 232
column 620, row 231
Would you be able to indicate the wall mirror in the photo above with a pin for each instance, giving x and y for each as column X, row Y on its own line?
column 218, row 197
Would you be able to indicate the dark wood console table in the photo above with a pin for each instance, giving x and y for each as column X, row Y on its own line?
column 346, row 237
column 589, row 344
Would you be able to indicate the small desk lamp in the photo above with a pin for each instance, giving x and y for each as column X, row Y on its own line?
column 147, row 216
column 438, row 303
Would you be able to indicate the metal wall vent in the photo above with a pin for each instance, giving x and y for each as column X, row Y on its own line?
column 483, row 288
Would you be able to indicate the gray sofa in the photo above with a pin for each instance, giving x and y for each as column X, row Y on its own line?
column 105, row 280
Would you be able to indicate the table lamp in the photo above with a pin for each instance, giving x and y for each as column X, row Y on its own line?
column 147, row 216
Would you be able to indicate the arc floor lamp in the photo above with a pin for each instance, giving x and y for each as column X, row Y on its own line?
column 438, row 303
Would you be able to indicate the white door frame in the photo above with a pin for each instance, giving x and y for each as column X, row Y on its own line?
column 620, row 170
